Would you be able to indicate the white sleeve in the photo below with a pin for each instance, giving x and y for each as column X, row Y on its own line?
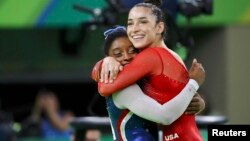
column 136, row 101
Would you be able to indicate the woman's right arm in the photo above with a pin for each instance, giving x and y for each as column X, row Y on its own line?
column 142, row 65
column 137, row 102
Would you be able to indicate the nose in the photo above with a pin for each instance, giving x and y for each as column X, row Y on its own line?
column 127, row 57
column 135, row 27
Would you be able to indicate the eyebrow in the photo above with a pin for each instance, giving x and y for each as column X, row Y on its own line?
column 141, row 18
column 116, row 49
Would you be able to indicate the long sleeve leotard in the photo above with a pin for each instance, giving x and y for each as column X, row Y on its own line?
column 163, row 78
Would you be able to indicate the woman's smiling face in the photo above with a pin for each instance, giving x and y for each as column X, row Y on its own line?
column 122, row 50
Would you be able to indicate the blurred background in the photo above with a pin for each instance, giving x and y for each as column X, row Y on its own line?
column 54, row 44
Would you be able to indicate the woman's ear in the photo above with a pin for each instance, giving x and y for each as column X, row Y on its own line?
column 160, row 27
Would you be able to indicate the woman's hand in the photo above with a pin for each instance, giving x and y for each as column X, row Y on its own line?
column 110, row 69
column 196, row 105
column 197, row 72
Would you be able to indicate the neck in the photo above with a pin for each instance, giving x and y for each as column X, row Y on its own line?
column 159, row 43
column 162, row 44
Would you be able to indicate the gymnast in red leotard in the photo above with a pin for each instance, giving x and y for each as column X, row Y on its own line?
column 164, row 73
column 130, row 106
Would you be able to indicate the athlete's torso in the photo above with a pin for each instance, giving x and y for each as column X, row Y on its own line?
column 126, row 126
column 165, row 77
column 165, row 86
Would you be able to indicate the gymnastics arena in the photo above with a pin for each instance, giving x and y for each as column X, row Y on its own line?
column 48, row 49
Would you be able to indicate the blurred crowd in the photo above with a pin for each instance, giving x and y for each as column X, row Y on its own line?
column 47, row 122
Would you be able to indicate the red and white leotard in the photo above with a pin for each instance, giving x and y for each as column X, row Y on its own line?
column 163, row 78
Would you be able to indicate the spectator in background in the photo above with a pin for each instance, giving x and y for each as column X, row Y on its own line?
column 47, row 120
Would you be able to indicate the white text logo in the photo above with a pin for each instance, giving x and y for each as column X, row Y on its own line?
column 171, row 137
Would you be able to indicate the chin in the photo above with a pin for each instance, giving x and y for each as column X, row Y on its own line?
column 139, row 46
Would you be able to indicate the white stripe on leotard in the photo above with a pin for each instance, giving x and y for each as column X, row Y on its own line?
column 123, row 125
